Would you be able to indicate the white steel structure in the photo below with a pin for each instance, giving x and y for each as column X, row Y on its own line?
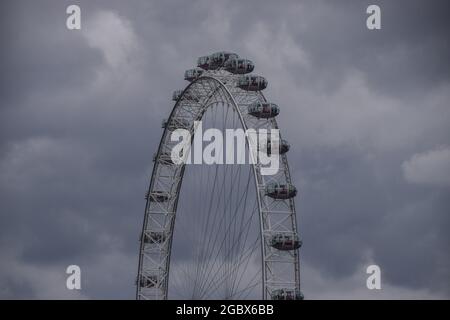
column 221, row 83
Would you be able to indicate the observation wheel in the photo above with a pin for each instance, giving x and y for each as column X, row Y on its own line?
column 221, row 230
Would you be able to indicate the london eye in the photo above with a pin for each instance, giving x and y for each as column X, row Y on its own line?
column 220, row 231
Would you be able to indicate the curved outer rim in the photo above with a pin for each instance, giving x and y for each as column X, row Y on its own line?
column 256, row 177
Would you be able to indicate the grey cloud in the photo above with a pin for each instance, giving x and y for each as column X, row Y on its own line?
column 428, row 167
column 78, row 135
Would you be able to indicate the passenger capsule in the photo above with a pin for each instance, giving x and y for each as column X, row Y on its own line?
column 283, row 147
column 239, row 66
column 154, row 237
column 285, row 242
column 157, row 196
column 252, row 83
column 149, row 281
column 177, row 95
column 263, row 109
column 192, row 74
column 176, row 124
column 203, row 62
column 218, row 59
column 281, row 191
column 287, row 294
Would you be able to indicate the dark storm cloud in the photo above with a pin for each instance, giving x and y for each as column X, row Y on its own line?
column 80, row 119
column 406, row 36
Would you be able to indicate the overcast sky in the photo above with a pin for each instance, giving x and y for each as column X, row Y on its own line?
column 367, row 114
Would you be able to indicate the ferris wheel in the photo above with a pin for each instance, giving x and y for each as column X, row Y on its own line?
column 220, row 231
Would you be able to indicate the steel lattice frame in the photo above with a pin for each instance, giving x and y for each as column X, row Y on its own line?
column 280, row 269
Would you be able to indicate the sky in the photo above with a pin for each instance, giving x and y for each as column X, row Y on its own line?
column 366, row 112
